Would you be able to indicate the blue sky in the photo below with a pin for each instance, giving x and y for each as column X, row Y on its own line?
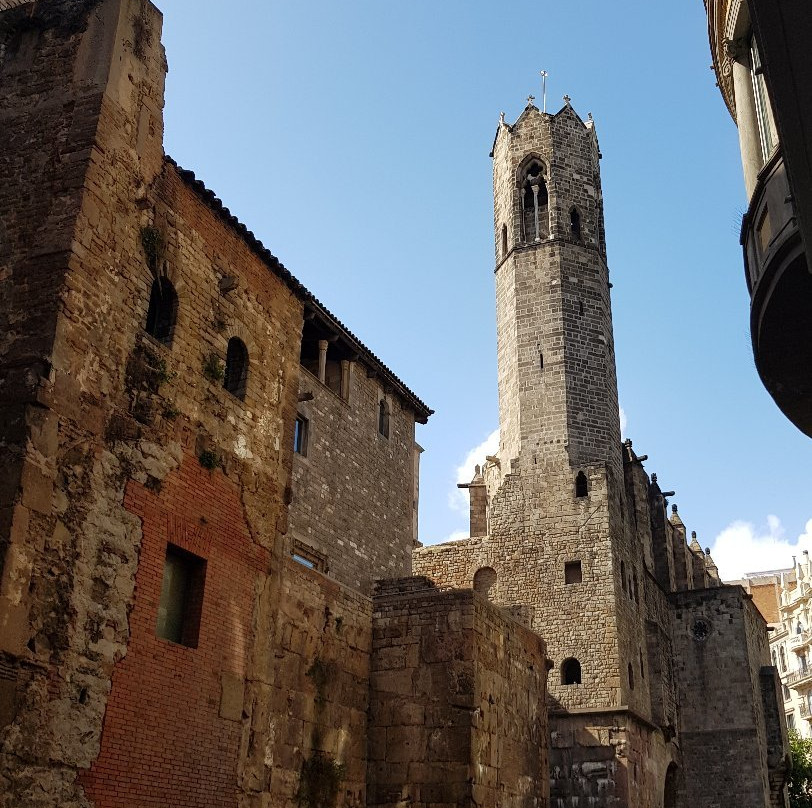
column 353, row 139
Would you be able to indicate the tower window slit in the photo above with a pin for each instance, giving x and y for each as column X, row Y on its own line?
column 581, row 485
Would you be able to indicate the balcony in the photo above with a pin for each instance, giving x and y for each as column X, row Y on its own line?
column 781, row 294
column 799, row 679
column 805, row 711
column 798, row 642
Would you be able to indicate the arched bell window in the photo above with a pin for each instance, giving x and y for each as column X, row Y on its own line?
column 236, row 372
column 535, row 200
column 162, row 311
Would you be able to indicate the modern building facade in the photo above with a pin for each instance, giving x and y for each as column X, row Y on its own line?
column 760, row 52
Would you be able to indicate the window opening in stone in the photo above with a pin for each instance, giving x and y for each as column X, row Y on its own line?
column 308, row 557
column 300, row 435
column 636, row 590
column 484, row 581
column 575, row 224
column 163, row 311
column 534, row 203
column 236, row 372
column 572, row 572
column 623, row 576
column 670, row 788
column 581, row 307
column 790, row 721
column 631, row 677
column 181, row 603
column 541, row 361
column 383, row 418
column 571, row 672
column 642, row 669
column 783, row 660
column 581, row 485
column 504, row 240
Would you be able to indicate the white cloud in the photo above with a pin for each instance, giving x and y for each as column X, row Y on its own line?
column 742, row 547
column 458, row 498
column 622, row 423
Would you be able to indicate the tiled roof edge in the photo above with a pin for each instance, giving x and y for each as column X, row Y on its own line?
column 422, row 411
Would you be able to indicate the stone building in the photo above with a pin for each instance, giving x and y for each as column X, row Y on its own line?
column 209, row 488
column 660, row 672
column 760, row 52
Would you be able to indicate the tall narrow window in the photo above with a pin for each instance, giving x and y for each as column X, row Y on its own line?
column 181, row 603
column 383, row 418
column 504, row 240
column 623, row 575
column 764, row 113
column 534, row 203
column 631, row 677
column 581, row 485
column 300, row 435
column 575, row 224
column 571, row 672
column 236, row 373
column 163, row 311
column 783, row 659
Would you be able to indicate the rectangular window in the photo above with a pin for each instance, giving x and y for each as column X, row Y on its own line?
column 572, row 572
column 787, row 694
column 764, row 113
column 308, row 557
column 300, row 431
column 181, row 603
column 791, row 721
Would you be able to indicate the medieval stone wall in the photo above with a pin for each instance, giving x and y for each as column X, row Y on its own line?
column 720, row 647
column 457, row 702
column 113, row 404
column 353, row 488
column 318, row 694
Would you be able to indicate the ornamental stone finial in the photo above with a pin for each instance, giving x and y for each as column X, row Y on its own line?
column 567, row 100
column 530, row 100
column 501, row 118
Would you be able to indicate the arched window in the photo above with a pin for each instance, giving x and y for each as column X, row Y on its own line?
column 504, row 240
column 631, row 677
column 581, row 485
column 534, row 203
column 236, row 373
column 484, row 580
column 575, row 224
column 163, row 311
column 383, row 418
column 571, row 672
column 671, row 788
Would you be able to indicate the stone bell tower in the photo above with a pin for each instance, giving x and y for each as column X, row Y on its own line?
column 557, row 384
column 556, row 534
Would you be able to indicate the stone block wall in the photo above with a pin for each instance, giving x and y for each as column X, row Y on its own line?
column 720, row 648
column 457, row 705
column 353, row 488
column 317, row 694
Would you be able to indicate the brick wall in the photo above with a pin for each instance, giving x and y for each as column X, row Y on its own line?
column 177, row 710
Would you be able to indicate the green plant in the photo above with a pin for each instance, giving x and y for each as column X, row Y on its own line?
column 152, row 241
column 208, row 459
column 799, row 783
column 170, row 413
column 162, row 373
column 213, row 368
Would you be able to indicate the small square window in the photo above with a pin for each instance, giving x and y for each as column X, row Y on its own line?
column 181, row 603
column 300, row 434
column 572, row 572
